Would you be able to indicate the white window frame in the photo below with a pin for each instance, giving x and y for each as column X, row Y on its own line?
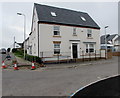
column 89, row 33
column 57, row 30
column 88, row 48
column 56, row 47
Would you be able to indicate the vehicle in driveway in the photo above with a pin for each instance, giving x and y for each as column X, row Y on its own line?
column 3, row 51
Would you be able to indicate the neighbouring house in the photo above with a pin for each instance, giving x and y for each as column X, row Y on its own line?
column 117, row 43
column 26, row 43
column 111, row 40
column 62, row 31
column 16, row 45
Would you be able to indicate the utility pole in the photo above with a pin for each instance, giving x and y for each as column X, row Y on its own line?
column 106, row 41
column 24, row 31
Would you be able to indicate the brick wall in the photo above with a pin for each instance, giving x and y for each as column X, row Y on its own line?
column 116, row 53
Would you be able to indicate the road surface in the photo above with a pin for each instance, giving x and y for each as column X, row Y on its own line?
column 55, row 82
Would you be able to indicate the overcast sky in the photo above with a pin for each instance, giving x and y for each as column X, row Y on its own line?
column 104, row 13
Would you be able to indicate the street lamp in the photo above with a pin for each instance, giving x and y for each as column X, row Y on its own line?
column 106, row 41
column 24, row 30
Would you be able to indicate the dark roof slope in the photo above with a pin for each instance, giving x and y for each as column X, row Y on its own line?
column 118, row 38
column 111, row 37
column 102, row 39
column 108, row 38
column 64, row 16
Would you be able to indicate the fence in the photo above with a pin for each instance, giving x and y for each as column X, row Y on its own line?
column 50, row 57
column 116, row 53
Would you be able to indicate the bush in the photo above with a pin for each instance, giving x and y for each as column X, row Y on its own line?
column 8, row 50
column 14, row 50
column 33, row 58
column 109, row 50
column 19, row 53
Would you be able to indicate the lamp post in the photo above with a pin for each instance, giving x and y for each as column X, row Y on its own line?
column 106, row 41
column 24, row 30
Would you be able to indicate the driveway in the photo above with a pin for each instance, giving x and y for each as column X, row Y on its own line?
column 55, row 82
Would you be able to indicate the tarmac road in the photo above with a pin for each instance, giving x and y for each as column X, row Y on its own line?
column 54, row 82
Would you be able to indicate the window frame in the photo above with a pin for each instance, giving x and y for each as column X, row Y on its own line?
column 89, row 33
column 56, row 47
column 57, row 31
column 88, row 48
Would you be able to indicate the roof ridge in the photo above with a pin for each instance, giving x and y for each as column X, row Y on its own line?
column 59, row 8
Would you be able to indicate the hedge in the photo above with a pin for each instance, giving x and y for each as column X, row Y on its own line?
column 20, row 53
column 33, row 58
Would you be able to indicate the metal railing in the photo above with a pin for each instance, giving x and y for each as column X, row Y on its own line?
column 50, row 57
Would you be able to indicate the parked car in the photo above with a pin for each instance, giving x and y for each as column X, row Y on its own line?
column 3, row 51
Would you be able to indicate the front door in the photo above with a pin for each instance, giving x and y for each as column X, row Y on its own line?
column 74, row 50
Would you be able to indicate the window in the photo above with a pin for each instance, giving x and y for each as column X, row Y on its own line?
column 74, row 31
column 89, row 48
column 89, row 33
column 53, row 14
column 30, row 51
column 56, row 48
column 56, row 30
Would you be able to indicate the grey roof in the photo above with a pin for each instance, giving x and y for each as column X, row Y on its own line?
column 102, row 39
column 118, row 38
column 108, row 38
column 64, row 16
column 111, row 37
column 19, row 44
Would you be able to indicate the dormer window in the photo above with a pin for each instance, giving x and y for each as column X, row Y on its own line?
column 53, row 14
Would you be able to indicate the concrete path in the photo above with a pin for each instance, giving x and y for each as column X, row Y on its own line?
column 79, row 64
column 22, row 61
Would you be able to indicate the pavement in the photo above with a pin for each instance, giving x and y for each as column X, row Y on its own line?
column 22, row 61
column 79, row 64
column 9, row 63
column 56, row 81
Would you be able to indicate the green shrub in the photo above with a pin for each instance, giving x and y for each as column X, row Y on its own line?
column 14, row 50
column 20, row 53
column 8, row 50
column 33, row 58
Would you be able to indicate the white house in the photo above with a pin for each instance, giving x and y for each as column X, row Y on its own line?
column 112, row 41
column 62, row 31
column 16, row 45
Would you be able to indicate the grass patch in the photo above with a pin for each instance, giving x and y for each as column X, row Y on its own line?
column 19, row 53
